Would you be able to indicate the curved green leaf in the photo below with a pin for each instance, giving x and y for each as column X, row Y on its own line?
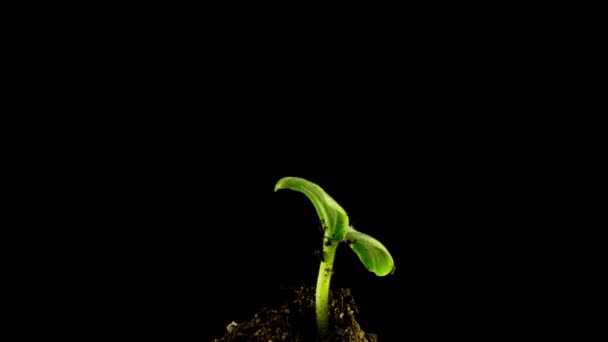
column 371, row 252
column 332, row 216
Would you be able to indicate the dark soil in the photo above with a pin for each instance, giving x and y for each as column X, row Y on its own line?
column 295, row 321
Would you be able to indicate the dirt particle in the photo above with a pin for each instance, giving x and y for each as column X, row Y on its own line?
column 230, row 327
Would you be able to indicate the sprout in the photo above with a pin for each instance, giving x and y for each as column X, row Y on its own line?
column 336, row 229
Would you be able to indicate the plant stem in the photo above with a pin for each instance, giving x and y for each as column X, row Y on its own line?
column 323, row 281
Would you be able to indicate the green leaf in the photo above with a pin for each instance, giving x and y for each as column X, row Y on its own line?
column 371, row 252
column 332, row 216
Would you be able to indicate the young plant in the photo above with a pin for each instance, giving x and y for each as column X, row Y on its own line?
column 336, row 229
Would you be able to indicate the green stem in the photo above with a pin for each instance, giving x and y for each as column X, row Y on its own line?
column 323, row 281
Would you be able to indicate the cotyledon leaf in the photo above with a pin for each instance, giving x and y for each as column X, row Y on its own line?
column 371, row 252
column 330, row 212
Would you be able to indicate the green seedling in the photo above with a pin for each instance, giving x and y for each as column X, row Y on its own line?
column 336, row 229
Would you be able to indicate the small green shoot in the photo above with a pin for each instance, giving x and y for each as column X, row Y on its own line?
column 336, row 229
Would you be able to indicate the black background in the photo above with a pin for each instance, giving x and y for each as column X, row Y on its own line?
column 140, row 152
